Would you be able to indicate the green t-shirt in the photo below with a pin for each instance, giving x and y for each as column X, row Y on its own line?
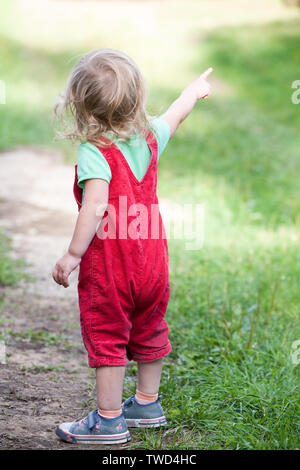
column 92, row 164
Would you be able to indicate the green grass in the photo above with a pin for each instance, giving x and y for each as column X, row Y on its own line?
column 37, row 369
column 233, row 315
column 43, row 337
column 27, row 117
column 10, row 268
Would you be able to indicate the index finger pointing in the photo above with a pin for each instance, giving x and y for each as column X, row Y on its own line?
column 207, row 72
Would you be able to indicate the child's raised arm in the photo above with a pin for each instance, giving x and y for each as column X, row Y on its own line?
column 181, row 108
column 89, row 218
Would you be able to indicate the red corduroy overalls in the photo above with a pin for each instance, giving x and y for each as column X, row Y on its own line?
column 123, row 283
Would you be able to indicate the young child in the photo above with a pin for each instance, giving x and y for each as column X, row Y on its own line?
column 119, row 240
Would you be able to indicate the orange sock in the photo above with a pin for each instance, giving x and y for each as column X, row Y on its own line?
column 145, row 398
column 110, row 413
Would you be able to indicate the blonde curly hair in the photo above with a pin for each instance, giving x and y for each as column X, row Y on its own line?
column 105, row 93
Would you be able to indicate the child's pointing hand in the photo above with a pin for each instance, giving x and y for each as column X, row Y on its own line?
column 63, row 269
column 201, row 86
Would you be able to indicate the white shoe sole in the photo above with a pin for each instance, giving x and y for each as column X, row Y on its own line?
column 66, row 436
column 146, row 423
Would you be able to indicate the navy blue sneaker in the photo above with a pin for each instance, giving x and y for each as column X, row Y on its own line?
column 143, row 416
column 95, row 429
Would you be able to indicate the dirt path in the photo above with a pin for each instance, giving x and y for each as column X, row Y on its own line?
column 45, row 380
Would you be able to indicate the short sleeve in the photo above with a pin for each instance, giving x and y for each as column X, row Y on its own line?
column 91, row 164
column 162, row 132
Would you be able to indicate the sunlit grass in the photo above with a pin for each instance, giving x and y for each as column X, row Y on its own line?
column 11, row 271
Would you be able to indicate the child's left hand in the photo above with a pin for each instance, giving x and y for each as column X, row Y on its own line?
column 63, row 269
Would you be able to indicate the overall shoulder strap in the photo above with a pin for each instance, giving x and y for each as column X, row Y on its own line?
column 152, row 143
column 77, row 191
